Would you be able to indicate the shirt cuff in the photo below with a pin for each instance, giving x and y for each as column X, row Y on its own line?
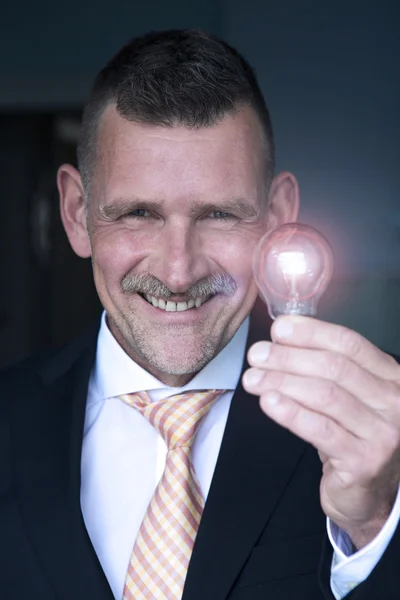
column 348, row 570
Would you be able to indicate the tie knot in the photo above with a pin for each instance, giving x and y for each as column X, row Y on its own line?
column 176, row 418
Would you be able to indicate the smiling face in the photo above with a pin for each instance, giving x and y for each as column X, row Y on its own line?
column 173, row 217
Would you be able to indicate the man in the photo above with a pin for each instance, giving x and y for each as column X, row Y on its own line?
column 101, row 497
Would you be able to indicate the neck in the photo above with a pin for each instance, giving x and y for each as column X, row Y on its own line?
column 169, row 379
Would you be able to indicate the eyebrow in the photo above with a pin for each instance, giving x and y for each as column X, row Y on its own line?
column 121, row 206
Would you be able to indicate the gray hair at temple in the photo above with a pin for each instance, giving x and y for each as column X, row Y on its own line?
column 174, row 78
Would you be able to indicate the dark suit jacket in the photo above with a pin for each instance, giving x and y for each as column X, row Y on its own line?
column 262, row 534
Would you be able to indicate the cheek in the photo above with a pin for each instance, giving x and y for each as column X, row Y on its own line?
column 234, row 253
column 115, row 251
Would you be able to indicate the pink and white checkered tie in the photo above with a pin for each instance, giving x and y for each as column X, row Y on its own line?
column 162, row 551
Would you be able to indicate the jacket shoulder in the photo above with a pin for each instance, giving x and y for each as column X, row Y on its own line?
column 46, row 366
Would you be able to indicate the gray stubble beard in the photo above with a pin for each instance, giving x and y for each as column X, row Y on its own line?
column 209, row 347
column 137, row 340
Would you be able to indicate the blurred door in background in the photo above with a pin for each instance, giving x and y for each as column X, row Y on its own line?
column 47, row 293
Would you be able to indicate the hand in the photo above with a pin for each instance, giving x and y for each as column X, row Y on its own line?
column 337, row 391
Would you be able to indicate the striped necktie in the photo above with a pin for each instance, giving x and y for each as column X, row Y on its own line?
column 163, row 547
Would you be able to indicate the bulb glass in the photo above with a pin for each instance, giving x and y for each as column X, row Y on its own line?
column 293, row 265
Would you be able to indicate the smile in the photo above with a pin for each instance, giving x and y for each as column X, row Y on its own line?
column 170, row 306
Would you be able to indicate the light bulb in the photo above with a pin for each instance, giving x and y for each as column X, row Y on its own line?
column 292, row 266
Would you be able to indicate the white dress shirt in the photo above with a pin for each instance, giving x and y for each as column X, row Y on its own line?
column 123, row 458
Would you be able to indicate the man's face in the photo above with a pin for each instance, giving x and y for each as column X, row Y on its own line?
column 174, row 215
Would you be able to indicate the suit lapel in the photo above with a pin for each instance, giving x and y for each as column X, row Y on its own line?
column 48, row 456
column 256, row 461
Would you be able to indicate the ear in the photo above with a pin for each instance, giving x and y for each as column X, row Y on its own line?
column 72, row 208
column 284, row 200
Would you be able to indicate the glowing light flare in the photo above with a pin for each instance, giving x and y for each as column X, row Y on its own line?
column 292, row 263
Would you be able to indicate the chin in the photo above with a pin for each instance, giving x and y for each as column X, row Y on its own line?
column 182, row 363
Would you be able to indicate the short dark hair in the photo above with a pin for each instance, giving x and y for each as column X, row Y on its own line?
column 172, row 78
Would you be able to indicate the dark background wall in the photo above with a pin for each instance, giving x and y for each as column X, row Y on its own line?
column 330, row 74
column 49, row 51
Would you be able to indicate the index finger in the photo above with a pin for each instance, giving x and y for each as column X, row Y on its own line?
column 306, row 332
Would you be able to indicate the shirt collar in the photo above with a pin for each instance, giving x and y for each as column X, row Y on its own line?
column 115, row 373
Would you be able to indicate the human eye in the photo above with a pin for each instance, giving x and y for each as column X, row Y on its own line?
column 221, row 214
column 139, row 213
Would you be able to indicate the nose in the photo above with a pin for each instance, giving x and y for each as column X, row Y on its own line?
column 179, row 259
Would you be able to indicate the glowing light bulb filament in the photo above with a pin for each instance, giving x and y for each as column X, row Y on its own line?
column 292, row 263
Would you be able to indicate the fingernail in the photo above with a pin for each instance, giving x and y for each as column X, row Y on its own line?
column 284, row 328
column 259, row 353
column 252, row 377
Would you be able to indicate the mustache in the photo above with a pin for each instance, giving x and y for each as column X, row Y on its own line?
column 145, row 283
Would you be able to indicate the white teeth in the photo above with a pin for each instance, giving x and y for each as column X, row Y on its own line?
column 171, row 306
